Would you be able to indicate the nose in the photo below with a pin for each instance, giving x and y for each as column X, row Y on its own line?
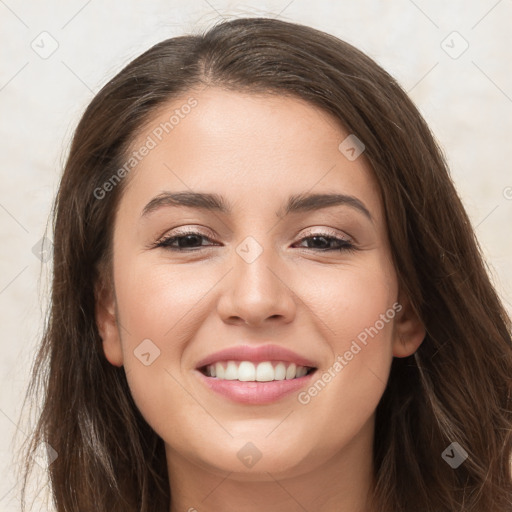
column 256, row 292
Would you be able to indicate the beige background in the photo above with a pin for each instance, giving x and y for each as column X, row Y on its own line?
column 466, row 99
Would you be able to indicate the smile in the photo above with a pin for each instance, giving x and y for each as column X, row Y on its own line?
column 247, row 371
column 255, row 375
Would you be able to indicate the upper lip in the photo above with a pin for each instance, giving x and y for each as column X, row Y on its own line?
column 256, row 354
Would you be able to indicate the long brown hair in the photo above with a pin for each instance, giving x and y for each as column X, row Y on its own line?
column 455, row 388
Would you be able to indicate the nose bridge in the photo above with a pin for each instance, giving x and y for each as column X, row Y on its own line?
column 256, row 290
column 253, row 262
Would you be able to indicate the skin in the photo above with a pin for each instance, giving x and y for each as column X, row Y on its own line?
column 255, row 150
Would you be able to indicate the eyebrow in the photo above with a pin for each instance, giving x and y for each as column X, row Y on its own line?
column 216, row 203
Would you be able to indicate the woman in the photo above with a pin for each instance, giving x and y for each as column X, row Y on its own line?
column 267, row 294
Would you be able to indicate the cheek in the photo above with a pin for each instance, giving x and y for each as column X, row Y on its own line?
column 352, row 299
column 359, row 320
column 157, row 308
column 156, row 301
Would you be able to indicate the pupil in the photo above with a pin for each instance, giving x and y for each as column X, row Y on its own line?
column 188, row 240
column 319, row 238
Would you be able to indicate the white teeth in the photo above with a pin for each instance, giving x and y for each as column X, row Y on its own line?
column 219, row 370
column 265, row 372
column 291, row 371
column 231, row 372
column 246, row 371
column 301, row 371
column 280, row 371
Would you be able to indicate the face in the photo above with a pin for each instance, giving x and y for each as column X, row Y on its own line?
column 275, row 277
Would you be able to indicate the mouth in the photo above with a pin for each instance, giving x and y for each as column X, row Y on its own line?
column 255, row 375
column 249, row 371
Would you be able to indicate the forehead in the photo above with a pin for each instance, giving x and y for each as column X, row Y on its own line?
column 245, row 145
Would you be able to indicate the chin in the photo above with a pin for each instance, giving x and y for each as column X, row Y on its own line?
column 250, row 460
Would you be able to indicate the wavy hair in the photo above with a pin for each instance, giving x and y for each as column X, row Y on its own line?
column 455, row 388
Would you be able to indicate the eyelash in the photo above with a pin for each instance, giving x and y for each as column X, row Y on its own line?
column 344, row 245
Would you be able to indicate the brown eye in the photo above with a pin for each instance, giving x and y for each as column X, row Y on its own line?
column 185, row 241
column 324, row 242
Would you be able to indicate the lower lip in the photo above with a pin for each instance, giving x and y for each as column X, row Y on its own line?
column 255, row 393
